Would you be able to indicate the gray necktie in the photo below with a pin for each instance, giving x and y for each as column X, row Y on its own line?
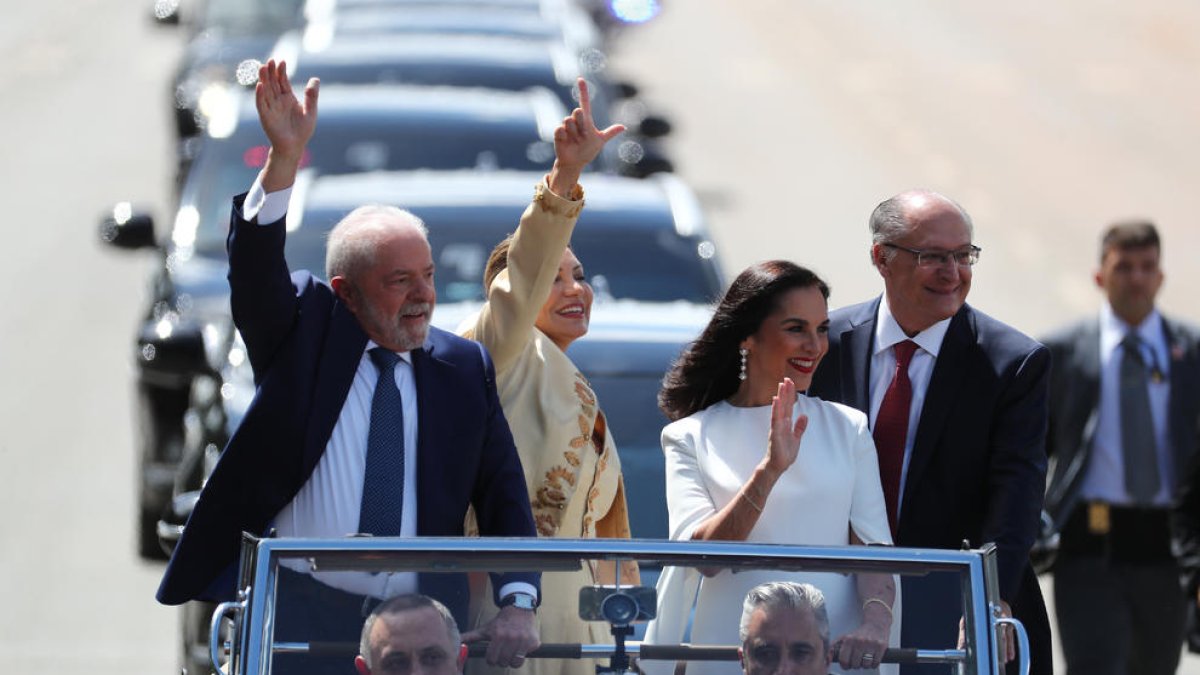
column 1138, row 444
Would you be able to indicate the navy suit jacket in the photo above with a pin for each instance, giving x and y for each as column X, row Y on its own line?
column 978, row 467
column 1075, row 391
column 305, row 346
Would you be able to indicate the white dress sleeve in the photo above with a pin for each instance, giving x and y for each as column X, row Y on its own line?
column 689, row 502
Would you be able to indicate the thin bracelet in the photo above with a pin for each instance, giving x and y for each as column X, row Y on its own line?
column 881, row 603
column 750, row 501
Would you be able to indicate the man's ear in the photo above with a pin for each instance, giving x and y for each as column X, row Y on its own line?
column 361, row 665
column 344, row 290
column 879, row 258
column 742, row 657
column 462, row 657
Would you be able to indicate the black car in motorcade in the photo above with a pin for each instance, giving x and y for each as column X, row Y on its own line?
column 494, row 61
column 646, row 251
column 225, row 39
column 362, row 129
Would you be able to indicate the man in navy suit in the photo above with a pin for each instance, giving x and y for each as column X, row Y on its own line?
column 297, row 463
column 962, row 438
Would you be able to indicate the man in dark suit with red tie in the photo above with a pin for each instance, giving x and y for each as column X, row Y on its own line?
column 957, row 402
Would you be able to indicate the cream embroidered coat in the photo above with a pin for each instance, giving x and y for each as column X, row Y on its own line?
column 575, row 488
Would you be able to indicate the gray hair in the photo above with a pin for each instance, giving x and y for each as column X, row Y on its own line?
column 889, row 220
column 351, row 245
column 400, row 604
column 775, row 595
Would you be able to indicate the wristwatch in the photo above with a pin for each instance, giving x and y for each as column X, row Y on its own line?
column 520, row 601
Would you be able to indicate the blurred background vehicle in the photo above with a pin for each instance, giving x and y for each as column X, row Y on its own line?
column 495, row 61
column 225, row 40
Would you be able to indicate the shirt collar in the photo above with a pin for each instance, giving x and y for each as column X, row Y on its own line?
column 1113, row 330
column 888, row 332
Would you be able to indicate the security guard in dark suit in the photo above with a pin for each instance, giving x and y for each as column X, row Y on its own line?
column 1124, row 406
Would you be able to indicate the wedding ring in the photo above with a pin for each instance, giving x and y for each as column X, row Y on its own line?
column 868, row 658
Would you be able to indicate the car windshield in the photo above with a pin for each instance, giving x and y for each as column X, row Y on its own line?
column 226, row 167
column 600, row 598
column 250, row 16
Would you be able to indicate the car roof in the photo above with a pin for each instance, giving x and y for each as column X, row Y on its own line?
column 663, row 197
column 540, row 5
column 389, row 105
column 573, row 26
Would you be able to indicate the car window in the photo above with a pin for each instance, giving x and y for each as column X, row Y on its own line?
column 250, row 16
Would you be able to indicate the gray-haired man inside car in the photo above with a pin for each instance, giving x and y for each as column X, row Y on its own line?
column 410, row 635
column 785, row 630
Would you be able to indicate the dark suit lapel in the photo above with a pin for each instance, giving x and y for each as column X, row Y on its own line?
column 856, row 357
column 944, row 386
column 1183, row 390
column 1080, row 405
column 1087, row 369
column 426, row 367
column 343, row 349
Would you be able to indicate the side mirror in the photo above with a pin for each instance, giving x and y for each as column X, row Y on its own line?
column 166, row 12
column 170, row 526
column 126, row 228
column 171, row 351
column 654, row 126
column 650, row 162
column 624, row 89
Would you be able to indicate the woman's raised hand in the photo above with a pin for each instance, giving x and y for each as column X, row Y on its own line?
column 784, row 444
column 577, row 142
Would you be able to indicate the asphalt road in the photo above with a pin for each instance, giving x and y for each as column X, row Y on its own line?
column 793, row 119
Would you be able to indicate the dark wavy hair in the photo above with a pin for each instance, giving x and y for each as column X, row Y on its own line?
column 707, row 371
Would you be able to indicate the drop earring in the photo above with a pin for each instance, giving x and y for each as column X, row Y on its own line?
column 742, row 372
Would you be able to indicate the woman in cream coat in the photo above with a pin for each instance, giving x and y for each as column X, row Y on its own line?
column 538, row 302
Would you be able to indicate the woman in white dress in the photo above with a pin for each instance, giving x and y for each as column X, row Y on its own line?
column 747, row 459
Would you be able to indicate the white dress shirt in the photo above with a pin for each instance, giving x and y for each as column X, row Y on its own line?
column 920, row 368
column 1104, row 479
column 328, row 504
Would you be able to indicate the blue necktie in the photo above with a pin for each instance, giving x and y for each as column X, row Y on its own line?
column 1138, row 444
column 383, row 480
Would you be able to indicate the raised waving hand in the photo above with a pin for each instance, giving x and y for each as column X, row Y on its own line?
column 783, row 445
column 577, row 142
column 288, row 122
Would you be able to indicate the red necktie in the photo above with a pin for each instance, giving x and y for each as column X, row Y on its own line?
column 891, row 429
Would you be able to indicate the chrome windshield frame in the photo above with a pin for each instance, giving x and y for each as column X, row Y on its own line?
column 253, row 641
